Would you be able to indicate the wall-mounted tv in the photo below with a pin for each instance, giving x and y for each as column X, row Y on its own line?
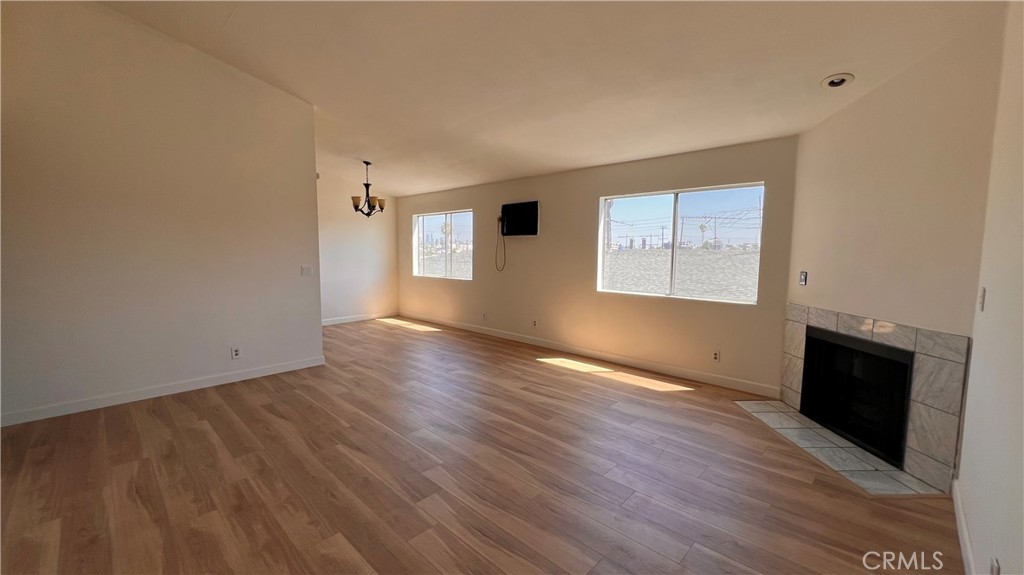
column 519, row 219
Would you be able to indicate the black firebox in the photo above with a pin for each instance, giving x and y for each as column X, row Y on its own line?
column 859, row 389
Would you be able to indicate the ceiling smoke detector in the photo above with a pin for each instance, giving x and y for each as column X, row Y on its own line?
column 837, row 80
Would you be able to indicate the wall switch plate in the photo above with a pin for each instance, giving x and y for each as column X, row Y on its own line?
column 236, row 353
column 981, row 299
column 306, row 270
column 803, row 278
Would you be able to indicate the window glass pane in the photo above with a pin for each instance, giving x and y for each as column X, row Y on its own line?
column 443, row 245
column 432, row 245
column 637, row 244
column 719, row 244
column 462, row 245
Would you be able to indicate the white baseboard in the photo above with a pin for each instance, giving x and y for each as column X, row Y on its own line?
column 351, row 318
column 673, row 370
column 74, row 406
column 966, row 549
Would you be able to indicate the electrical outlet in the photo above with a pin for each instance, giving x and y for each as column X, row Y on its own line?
column 716, row 356
column 981, row 299
column 803, row 278
column 534, row 323
column 994, row 568
column 305, row 270
column 484, row 317
column 236, row 353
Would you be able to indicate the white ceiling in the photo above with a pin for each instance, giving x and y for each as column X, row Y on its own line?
column 450, row 94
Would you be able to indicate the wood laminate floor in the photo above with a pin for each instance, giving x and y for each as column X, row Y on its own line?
column 441, row 451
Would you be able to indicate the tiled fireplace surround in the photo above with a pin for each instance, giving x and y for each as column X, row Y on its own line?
column 936, row 389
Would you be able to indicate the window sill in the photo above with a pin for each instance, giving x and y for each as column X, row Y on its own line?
column 442, row 278
column 679, row 297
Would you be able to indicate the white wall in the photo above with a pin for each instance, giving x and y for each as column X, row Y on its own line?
column 157, row 207
column 890, row 198
column 358, row 255
column 989, row 488
column 552, row 277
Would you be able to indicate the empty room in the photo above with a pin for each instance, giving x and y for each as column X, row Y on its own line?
column 512, row 287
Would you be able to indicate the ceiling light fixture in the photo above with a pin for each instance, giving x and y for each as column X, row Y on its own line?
column 837, row 80
column 367, row 204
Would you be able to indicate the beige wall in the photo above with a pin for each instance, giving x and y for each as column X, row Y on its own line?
column 157, row 207
column 552, row 278
column 989, row 489
column 358, row 255
column 890, row 197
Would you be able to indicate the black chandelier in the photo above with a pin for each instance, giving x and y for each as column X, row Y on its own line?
column 368, row 205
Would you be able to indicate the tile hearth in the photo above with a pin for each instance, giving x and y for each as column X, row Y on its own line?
column 865, row 470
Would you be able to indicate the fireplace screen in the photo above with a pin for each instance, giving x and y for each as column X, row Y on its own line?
column 859, row 389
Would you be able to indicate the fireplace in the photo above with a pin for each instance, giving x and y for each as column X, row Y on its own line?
column 928, row 424
column 859, row 389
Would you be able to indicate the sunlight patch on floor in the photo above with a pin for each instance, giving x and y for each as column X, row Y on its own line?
column 407, row 324
column 631, row 379
column 573, row 364
column 641, row 381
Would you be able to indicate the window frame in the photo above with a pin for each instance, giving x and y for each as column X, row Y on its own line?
column 449, row 253
column 675, row 240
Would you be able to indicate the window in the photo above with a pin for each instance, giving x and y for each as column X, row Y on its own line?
column 443, row 245
column 698, row 244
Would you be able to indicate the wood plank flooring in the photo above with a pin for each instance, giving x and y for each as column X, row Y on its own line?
column 441, row 452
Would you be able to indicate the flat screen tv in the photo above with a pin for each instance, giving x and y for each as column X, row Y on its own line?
column 519, row 219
